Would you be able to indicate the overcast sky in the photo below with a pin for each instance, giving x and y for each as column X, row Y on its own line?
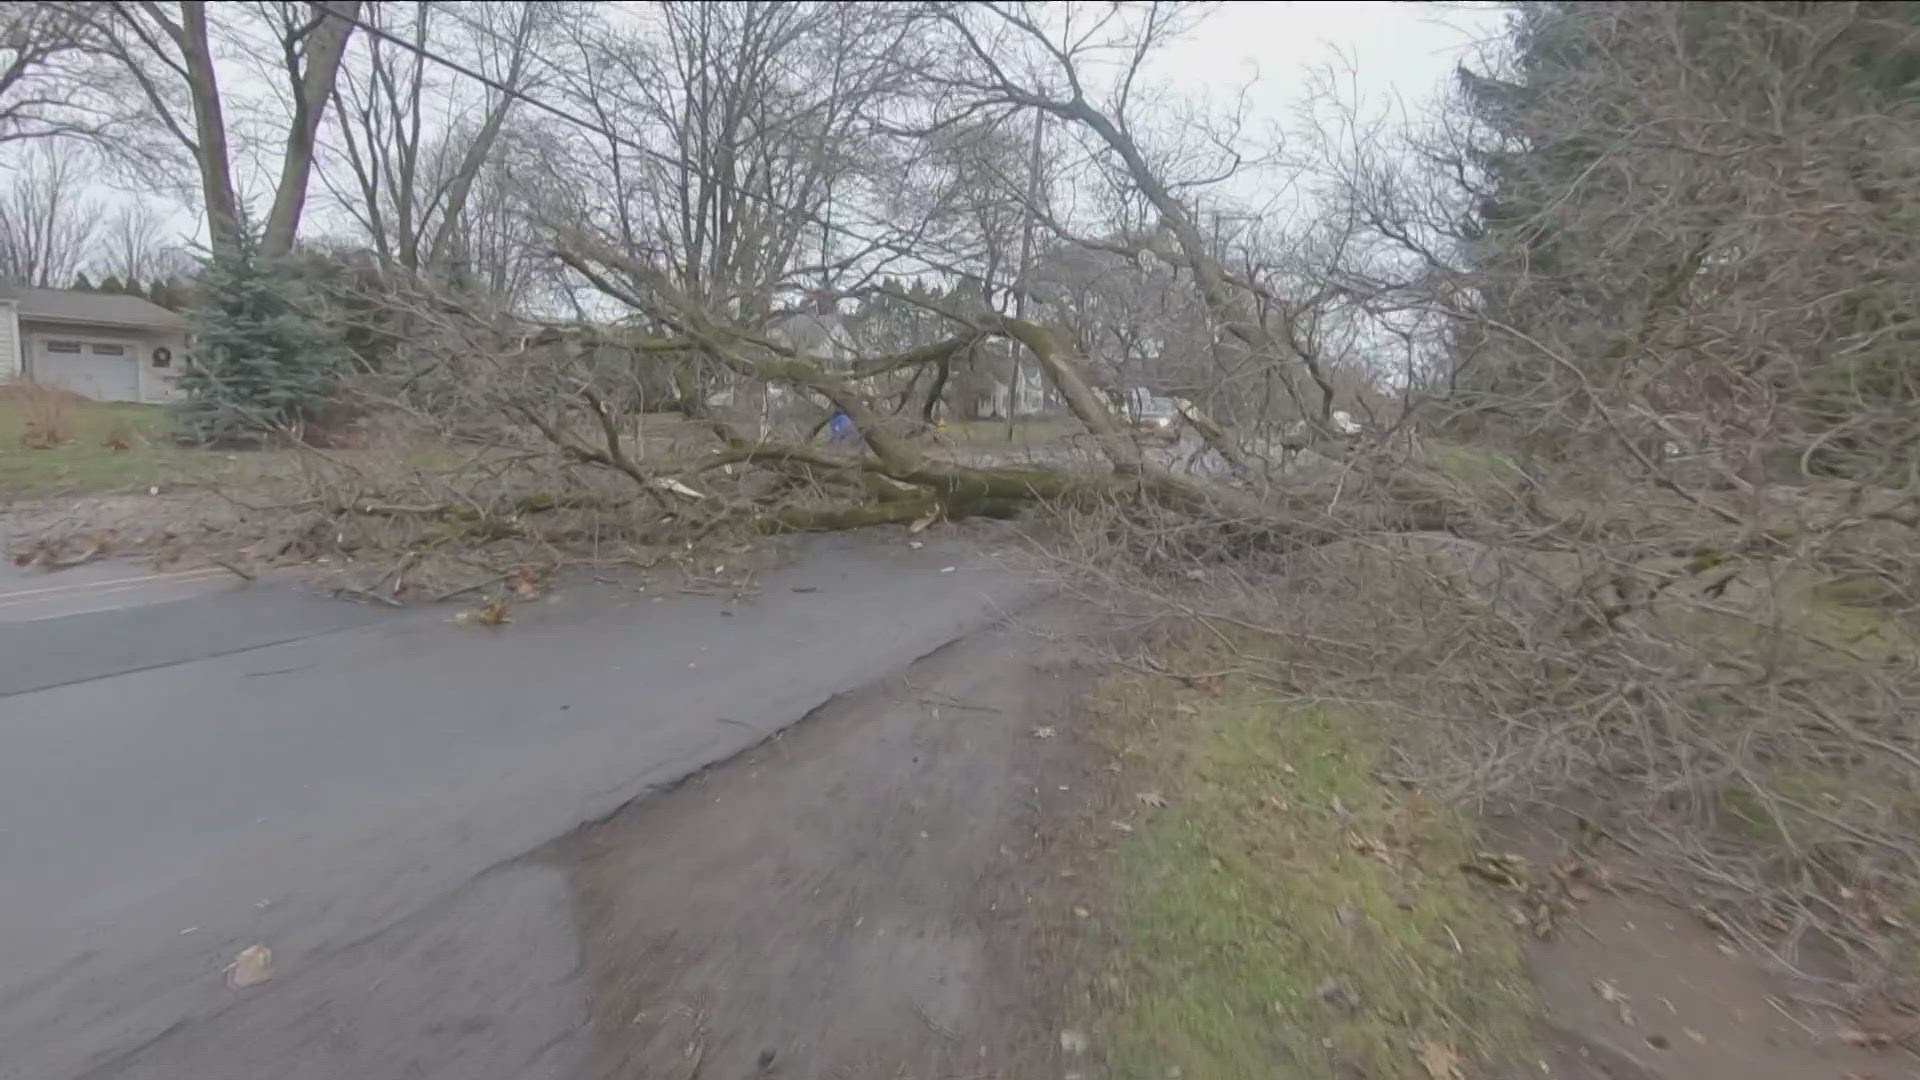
column 1399, row 52
column 1397, row 48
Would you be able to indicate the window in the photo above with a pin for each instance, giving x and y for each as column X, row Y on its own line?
column 63, row 346
column 99, row 349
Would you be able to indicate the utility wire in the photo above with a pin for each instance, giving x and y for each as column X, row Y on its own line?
column 573, row 118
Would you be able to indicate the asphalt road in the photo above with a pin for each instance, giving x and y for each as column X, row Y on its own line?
column 190, row 767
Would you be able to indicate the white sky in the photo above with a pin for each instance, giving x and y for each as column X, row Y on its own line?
column 1403, row 49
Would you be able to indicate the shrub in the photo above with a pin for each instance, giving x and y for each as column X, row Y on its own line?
column 262, row 363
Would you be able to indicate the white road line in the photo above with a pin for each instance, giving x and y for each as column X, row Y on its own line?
column 104, row 589
column 178, row 575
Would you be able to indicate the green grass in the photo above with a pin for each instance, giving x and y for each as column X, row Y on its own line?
column 1473, row 467
column 83, row 463
column 990, row 434
column 1289, row 914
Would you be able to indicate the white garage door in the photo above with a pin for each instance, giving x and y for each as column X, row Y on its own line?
column 101, row 369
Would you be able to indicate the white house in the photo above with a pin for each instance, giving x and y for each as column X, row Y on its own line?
column 102, row 345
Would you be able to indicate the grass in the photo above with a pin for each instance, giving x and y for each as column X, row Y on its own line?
column 992, row 434
column 1290, row 914
column 83, row 462
column 1472, row 467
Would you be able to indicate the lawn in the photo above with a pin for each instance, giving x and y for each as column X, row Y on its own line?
column 96, row 447
column 1045, row 433
column 1288, row 913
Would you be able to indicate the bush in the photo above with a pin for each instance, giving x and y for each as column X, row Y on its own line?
column 46, row 415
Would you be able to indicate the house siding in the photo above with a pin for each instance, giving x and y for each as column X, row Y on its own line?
column 10, row 353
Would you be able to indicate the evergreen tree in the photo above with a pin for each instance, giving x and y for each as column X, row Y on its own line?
column 261, row 362
column 1706, row 206
column 81, row 284
column 111, row 285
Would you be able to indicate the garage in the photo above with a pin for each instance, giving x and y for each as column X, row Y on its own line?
column 100, row 368
column 106, row 346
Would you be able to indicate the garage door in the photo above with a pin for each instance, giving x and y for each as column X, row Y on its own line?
column 101, row 369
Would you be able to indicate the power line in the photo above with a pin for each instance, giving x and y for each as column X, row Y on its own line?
column 519, row 95
column 490, row 82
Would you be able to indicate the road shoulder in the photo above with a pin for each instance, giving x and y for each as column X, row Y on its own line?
column 857, row 897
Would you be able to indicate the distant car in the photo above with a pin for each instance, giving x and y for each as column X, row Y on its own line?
column 1157, row 418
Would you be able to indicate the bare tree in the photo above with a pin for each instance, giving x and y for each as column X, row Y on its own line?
column 414, row 141
column 45, row 67
column 733, row 131
column 47, row 221
column 1085, row 67
column 134, row 246
column 169, row 54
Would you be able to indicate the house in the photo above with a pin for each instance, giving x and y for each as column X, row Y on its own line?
column 817, row 333
column 103, row 345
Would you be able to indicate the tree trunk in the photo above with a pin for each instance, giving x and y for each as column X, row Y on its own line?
column 210, row 131
column 940, row 375
column 326, row 43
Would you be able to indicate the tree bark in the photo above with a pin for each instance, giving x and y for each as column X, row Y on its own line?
column 313, row 85
column 209, row 126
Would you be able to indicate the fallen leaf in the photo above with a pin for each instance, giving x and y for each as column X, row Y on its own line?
column 1043, row 732
column 1881, row 1027
column 1338, row 994
column 1347, row 914
column 1153, row 799
column 1611, row 994
column 1080, row 912
column 252, row 967
column 1073, row 1041
column 1121, row 826
column 919, row 525
column 493, row 613
column 524, row 582
column 1440, row 1061
column 1369, row 847
column 1694, row 1035
column 1856, row 1037
column 1508, row 871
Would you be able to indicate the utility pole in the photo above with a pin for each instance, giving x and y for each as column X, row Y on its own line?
column 1026, row 264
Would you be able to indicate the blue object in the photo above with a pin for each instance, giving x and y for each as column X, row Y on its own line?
column 840, row 429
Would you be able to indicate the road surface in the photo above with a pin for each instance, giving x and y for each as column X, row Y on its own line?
column 189, row 767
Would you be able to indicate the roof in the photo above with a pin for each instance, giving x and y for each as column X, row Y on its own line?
column 107, row 309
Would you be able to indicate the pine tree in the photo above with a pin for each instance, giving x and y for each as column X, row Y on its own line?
column 81, row 284
column 260, row 362
column 111, row 285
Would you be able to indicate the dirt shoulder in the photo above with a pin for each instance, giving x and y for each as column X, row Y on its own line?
column 875, row 893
